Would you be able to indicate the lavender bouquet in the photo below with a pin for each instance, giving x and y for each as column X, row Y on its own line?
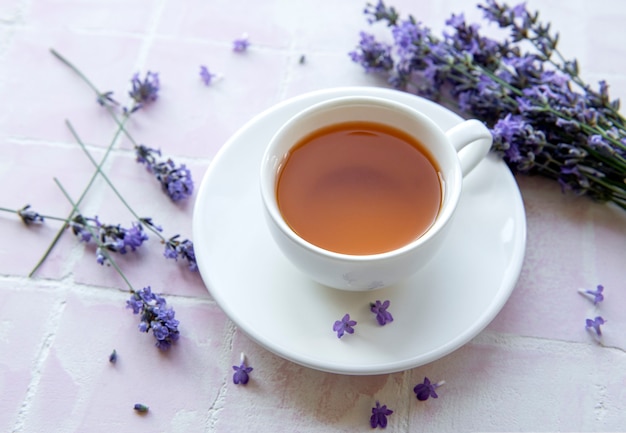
column 544, row 118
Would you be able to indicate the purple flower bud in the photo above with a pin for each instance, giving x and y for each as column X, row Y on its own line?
column 379, row 416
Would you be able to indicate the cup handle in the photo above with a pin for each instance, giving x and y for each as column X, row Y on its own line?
column 476, row 140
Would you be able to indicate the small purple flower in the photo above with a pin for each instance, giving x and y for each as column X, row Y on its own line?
column 382, row 315
column 241, row 44
column 141, row 408
column 133, row 238
column 146, row 91
column 175, row 249
column 423, row 391
column 595, row 324
column 596, row 294
column 344, row 325
column 206, row 76
column 379, row 416
column 242, row 372
column 28, row 216
column 155, row 315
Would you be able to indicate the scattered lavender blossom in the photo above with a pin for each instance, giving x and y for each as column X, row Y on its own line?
column 155, row 315
column 423, row 391
column 595, row 324
column 113, row 357
column 344, row 325
column 113, row 238
column 379, row 416
column 175, row 249
column 241, row 44
column 29, row 216
column 146, row 91
column 141, row 408
column 206, row 76
column 242, row 372
column 176, row 181
column 544, row 119
column 380, row 309
column 597, row 294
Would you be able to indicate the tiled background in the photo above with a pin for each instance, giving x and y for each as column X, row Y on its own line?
column 535, row 368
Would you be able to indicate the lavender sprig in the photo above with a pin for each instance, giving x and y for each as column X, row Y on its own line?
column 155, row 314
column 173, row 247
column 539, row 123
column 176, row 181
column 102, row 97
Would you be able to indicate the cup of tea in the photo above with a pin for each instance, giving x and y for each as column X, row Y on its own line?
column 359, row 192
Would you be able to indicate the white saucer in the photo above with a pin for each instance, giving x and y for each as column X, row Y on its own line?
column 439, row 309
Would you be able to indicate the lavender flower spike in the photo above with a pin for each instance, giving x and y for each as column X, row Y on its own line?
column 423, row 391
column 379, row 416
column 241, row 375
column 344, row 325
column 595, row 325
column 596, row 294
column 155, row 315
column 146, row 91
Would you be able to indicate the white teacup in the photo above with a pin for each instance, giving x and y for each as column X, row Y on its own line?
column 359, row 272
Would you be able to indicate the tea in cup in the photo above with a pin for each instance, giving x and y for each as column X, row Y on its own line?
column 359, row 192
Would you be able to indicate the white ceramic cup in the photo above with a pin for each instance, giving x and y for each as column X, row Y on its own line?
column 456, row 151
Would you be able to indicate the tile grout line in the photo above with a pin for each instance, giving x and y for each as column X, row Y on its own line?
column 37, row 370
column 518, row 341
column 214, row 409
column 149, row 36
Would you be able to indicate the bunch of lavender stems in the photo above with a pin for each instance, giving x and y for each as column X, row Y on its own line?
column 543, row 117
column 142, row 93
column 155, row 314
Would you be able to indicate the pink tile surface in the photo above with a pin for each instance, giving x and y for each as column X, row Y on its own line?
column 534, row 368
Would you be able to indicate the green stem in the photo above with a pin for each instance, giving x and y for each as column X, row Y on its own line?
column 79, row 201
column 96, row 238
column 98, row 93
column 54, row 218
column 121, row 128
column 107, row 180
